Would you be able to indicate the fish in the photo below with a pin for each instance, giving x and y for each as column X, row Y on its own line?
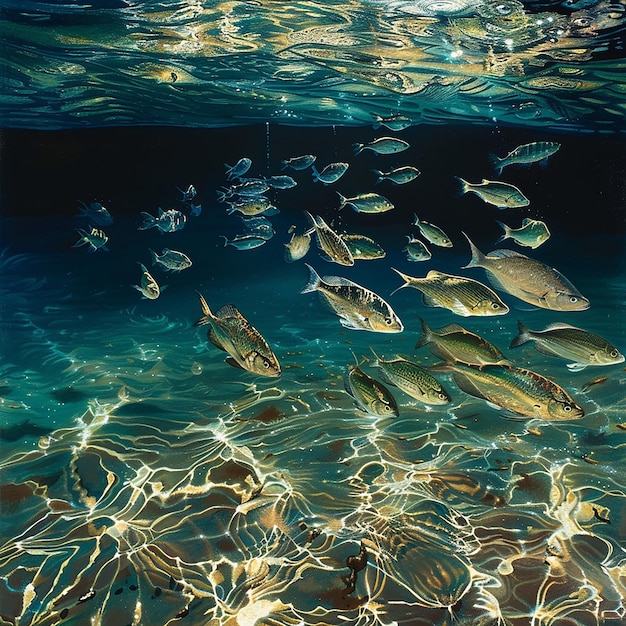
column 299, row 162
column 281, row 182
column 416, row 250
column 244, row 242
column 247, row 188
column 253, row 205
column 297, row 247
column 171, row 260
column 366, row 203
column 569, row 342
column 455, row 343
column 414, row 380
column 432, row 233
column 519, row 391
column 231, row 332
column 398, row 176
column 330, row 174
column 195, row 209
column 531, row 234
column 526, row 154
column 501, row 195
column 149, row 288
column 239, row 169
column 334, row 248
column 369, row 395
column 167, row 221
column 528, row 279
column 188, row 195
column 358, row 308
column 95, row 212
column 393, row 122
column 258, row 226
column 95, row 238
column 363, row 248
column 463, row 296
column 382, row 145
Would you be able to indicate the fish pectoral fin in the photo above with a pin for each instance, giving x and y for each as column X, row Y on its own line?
column 466, row 385
column 430, row 301
column 576, row 367
column 231, row 361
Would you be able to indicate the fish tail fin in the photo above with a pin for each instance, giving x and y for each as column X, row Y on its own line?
column 379, row 177
column 314, row 281
column 405, row 278
column 226, row 242
column 154, row 255
column 82, row 241
column 522, row 337
column 426, row 336
column 312, row 220
column 477, row 256
column 283, row 165
column 316, row 174
column 342, row 200
column 464, row 186
column 143, row 267
column 148, row 221
column 207, row 316
column 378, row 123
column 222, row 194
column 416, row 220
column 496, row 161
column 506, row 229
column 357, row 148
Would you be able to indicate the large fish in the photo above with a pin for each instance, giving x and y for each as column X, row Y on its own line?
column 358, row 308
column 525, row 154
column 232, row 332
column 370, row 396
column 529, row 280
column 517, row 390
column 330, row 243
column 568, row 342
column 463, row 296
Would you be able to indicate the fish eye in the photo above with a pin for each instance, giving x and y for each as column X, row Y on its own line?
column 573, row 299
column 442, row 396
column 613, row 353
column 388, row 321
column 567, row 408
column 266, row 364
column 495, row 305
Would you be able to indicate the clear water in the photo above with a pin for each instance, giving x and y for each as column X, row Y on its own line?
column 146, row 481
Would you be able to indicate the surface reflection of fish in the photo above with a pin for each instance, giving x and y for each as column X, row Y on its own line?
column 393, row 122
column 455, row 343
column 370, row 396
column 433, row 233
column 363, row 248
column 528, row 279
column 568, row 342
column 414, row 380
column 330, row 174
column 334, row 248
column 171, row 260
column 166, row 221
column 463, row 296
column 239, row 169
column 148, row 287
column 96, row 239
column 298, row 163
column 398, row 176
column 95, row 212
column 297, row 247
column 382, row 145
column 232, row 332
column 502, row 195
column 416, row 250
column 525, row 154
column 531, row 234
column 517, row 390
column 366, row 203
column 358, row 308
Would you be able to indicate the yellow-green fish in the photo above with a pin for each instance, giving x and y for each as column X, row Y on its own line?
column 363, row 248
column 531, row 234
column 527, row 279
column 334, row 248
column 525, row 154
column 416, row 250
column 455, row 343
column 433, row 233
column 366, row 203
column 232, row 332
column 358, row 308
column 502, row 195
column 297, row 247
column 148, row 287
column 370, row 395
column 568, row 342
column 517, row 390
column 463, row 296
column 414, row 380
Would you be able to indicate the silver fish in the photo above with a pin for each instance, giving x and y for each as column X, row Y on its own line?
column 531, row 234
column 167, row 221
column 393, row 122
column 244, row 242
column 259, row 226
column 333, row 247
column 432, row 233
column 382, row 145
column 568, row 342
column 358, row 308
column 149, row 288
column 366, row 203
column 525, row 154
column 171, row 260
column 299, row 162
column 502, row 195
column 416, row 250
column 297, row 247
column 398, row 176
column 95, row 212
column 96, row 239
column 239, row 169
column 188, row 195
column 528, row 279
column 281, row 182
column 331, row 173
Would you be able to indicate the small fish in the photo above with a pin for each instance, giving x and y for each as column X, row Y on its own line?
column 195, row 209
column 149, row 288
column 463, row 296
column 96, row 213
column 281, row 182
column 188, row 195
column 250, row 187
column 333, row 247
column 527, row 279
column 382, row 145
column 393, row 122
column 568, row 342
column 259, row 226
column 531, row 234
column 297, row 247
column 167, row 221
column 299, row 162
column 432, row 233
column 501, row 195
column 363, row 248
column 244, row 242
column 358, row 308
column 398, row 176
column 370, row 396
column 171, row 260
column 520, row 392
column 526, row 154
column 253, row 205
column 416, row 250
column 414, row 380
column 96, row 239
column 366, row 203
column 455, row 343
column 239, row 169
column 232, row 332
column 331, row 173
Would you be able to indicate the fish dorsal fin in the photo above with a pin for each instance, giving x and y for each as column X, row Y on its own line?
column 503, row 253
column 433, row 274
column 561, row 326
column 229, row 310
column 338, row 281
column 451, row 328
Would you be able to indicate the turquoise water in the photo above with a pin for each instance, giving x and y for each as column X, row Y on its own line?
column 143, row 479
